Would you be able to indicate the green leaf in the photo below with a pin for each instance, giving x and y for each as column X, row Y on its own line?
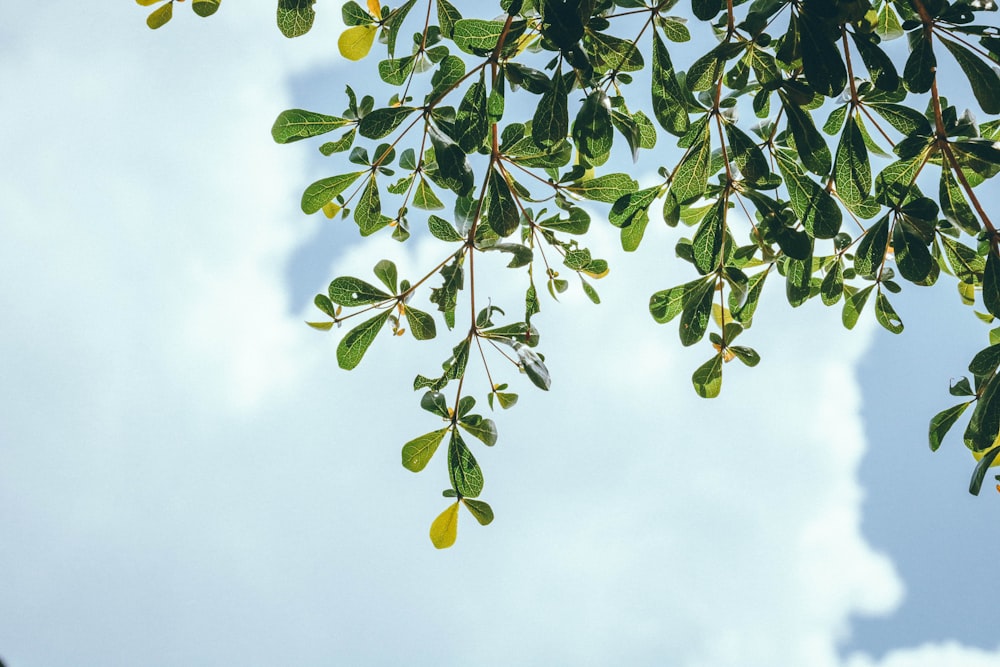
column 592, row 130
column 811, row 203
column 669, row 102
column 381, row 122
column 667, row 304
column 480, row 510
column 885, row 315
column 707, row 378
column 472, row 121
column 822, row 63
column 395, row 71
column 991, row 284
column 913, row 258
column 394, row 22
column 160, row 16
column 709, row 240
column 502, row 213
column 424, row 197
column 988, row 459
column 481, row 428
column 295, row 17
column 607, row 188
column 832, row 287
column 954, row 206
column 205, row 8
column 692, row 174
column 368, row 211
column 747, row 355
column 465, row 474
column 446, row 296
column 942, row 422
column 448, row 16
column 350, row 291
column 986, row 361
column 854, row 303
column 478, row 37
column 320, row 193
column 852, row 170
column 421, row 324
column 357, row 341
column 809, row 143
column 435, row 403
column 918, row 74
column 386, row 271
column 455, row 169
column 550, row 123
column 533, row 366
column 984, row 78
column 295, row 124
column 871, row 249
column 696, row 312
column 443, row 230
column 578, row 222
column 418, row 452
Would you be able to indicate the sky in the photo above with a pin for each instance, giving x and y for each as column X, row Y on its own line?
column 186, row 477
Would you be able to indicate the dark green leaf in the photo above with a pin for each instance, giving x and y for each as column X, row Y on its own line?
column 976, row 483
column 854, row 303
column 480, row 510
column 472, row 121
column 481, row 428
column 550, row 123
column 503, row 214
column 918, row 74
column 885, row 315
column 465, row 474
column 984, row 78
column 913, row 258
column 592, row 129
column 942, row 422
column 295, row 17
column 871, row 249
column 696, row 312
column 991, row 284
column 381, row 122
column 533, row 367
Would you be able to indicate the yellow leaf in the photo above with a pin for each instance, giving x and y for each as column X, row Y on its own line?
column 147, row 3
column 979, row 455
column 444, row 530
column 375, row 9
column 331, row 210
column 721, row 315
column 160, row 16
column 356, row 42
column 596, row 276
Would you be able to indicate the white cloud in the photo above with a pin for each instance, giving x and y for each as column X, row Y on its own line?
column 187, row 477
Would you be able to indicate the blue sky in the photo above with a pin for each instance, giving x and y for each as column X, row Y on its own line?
column 187, row 478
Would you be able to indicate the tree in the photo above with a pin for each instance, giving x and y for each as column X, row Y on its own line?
column 747, row 200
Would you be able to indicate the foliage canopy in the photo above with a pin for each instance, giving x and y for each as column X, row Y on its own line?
column 815, row 147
